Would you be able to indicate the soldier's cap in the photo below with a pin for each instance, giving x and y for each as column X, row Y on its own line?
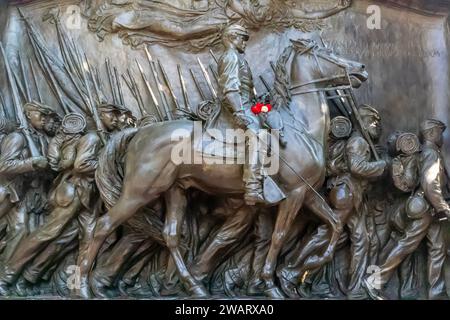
column 39, row 107
column 236, row 29
column 430, row 124
column 111, row 107
column 368, row 111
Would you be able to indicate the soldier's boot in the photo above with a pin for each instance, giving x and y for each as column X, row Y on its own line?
column 253, row 177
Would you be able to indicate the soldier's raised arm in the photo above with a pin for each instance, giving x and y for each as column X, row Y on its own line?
column 358, row 158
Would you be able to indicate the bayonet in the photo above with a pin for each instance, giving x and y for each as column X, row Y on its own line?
column 149, row 88
column 25, row 80
column 119, row 87
column 33, row 73
column 213, row 56
column 34, row 151
column 138, row 94
column 166, row 80
column 208, row 80
column 183, row 89
column 111, row 82
column 197, row 85
column 214, row 73
column 158, row 84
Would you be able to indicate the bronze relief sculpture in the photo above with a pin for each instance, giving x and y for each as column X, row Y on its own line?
column 240, row 181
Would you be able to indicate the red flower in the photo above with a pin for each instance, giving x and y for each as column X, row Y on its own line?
column 256, row 109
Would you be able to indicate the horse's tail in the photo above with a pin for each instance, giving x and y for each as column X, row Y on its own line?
column 110, row 170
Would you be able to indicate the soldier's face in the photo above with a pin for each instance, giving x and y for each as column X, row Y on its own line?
column 51, row 126
column 109, row 120
column 373, row 126
column 240, row 42
column 438, row 136
column 36, row 119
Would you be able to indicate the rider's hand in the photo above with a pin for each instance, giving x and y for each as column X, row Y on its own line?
column 241, row 119
column 39, row 162
column 345, row 3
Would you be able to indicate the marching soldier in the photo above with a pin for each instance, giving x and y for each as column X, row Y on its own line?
column 20, row 175
column 74, row 155
column 352, row 169
column 424, row 209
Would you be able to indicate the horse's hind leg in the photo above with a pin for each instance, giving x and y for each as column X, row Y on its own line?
column 124, row 209
column 176, row 203
column 287, row 212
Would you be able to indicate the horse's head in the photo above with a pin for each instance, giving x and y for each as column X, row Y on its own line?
column 318, row 65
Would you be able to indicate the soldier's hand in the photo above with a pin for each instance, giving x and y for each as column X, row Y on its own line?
column 40, row 162
column 65, row 164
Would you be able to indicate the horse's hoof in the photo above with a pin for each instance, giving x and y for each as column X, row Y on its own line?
column 4, row 288
column 198, row 291
column 274, row 293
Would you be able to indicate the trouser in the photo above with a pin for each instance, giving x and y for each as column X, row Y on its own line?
column 50, row 257
column 119, row 256
column 16, row 231
column 415, row 232
column 359, row 253
column 38, row 240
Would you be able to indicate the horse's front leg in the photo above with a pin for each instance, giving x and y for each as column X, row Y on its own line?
column 176, row 203
column 287, row 211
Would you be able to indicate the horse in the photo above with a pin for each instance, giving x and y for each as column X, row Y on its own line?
column 304, row 71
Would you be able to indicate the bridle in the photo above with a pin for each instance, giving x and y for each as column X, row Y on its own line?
column 313, row 50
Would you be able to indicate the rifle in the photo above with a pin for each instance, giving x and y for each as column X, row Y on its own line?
column 91, row 105
column 19, row 112
column 351, row 99
column 149, row 88
column 158, row 84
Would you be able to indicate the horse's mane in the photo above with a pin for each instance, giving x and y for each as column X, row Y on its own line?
column 281, row 95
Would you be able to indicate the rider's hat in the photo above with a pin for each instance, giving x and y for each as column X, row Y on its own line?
column 236, row 29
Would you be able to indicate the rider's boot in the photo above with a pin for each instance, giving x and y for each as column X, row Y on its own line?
column 253, row 177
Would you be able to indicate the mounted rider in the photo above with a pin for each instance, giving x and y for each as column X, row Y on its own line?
column 236, row 92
